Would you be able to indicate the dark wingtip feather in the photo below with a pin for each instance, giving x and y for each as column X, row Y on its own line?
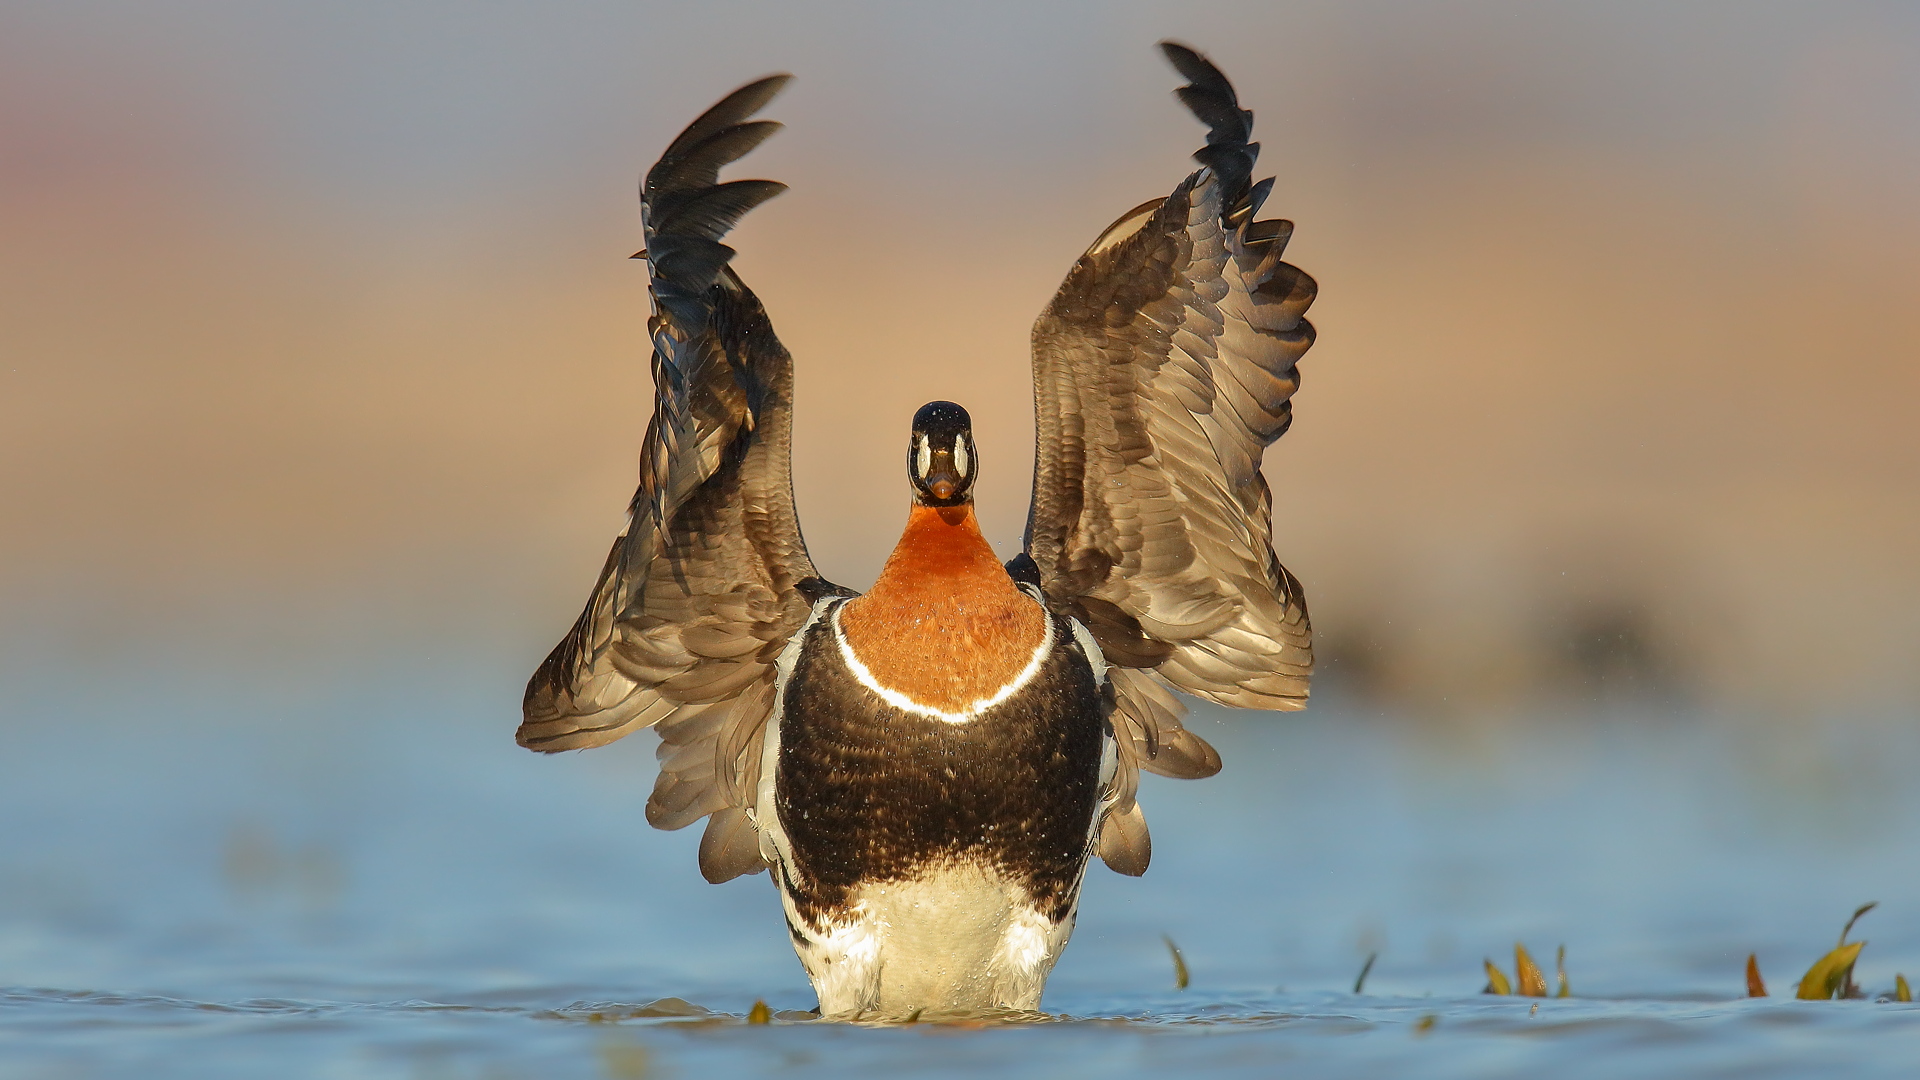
column 1258, row 196
column 1211, row 98
column 698, row 164
column 1187, row 60
column 686, row 210
column 736, row 108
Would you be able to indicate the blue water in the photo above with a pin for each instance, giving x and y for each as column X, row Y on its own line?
column 220, row 878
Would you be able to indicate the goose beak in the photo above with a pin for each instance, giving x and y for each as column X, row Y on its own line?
column 943, row 479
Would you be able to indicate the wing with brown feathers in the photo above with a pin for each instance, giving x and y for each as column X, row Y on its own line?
column 1162, row 370
column 701, row 592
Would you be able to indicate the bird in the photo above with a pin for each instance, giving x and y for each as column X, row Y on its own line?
column 928, row 768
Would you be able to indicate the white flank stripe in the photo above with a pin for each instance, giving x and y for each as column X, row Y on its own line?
column 906, row 704
column 774, row 847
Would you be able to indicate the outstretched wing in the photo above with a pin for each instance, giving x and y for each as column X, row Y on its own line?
column 701, row 592
column 1162, row 370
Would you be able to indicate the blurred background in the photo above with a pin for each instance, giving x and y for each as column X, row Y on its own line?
column 323, row 373
column 320, row 314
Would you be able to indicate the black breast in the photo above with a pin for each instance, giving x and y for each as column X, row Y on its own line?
column 867, row 792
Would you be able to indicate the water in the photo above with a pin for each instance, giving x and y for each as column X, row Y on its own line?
column 362, row 881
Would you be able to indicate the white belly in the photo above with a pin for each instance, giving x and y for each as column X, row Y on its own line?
column 957, row 939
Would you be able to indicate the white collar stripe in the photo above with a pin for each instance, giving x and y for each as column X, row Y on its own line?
column 906, row 704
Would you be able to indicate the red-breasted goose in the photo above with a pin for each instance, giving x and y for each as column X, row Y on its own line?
column 929, row 767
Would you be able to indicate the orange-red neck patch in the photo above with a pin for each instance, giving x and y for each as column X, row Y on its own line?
column 944, row 625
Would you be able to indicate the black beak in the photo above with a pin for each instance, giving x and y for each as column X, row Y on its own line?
column 943, row 479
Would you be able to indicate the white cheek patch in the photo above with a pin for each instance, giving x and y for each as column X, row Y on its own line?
column 960, row 457
column 924, row 458
column 906, row 704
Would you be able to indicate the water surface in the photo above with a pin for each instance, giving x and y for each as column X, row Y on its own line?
column 370, row 884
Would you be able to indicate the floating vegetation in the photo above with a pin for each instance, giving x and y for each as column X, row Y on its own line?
column 1496, row 980
column 1527, row 973
column 1364, row 968
column 759, row 1014
column 1831, row 976
column 1425, row 1023
column 1180, row 976
column 1857, row 912
column 1530, row 980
